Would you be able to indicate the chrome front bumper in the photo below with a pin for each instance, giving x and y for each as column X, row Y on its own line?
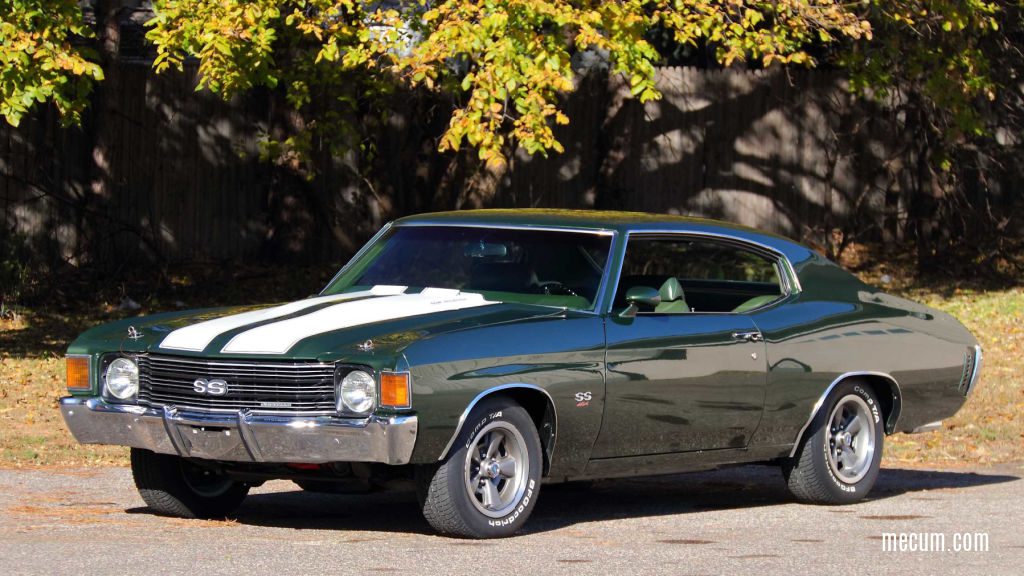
column 242, row 436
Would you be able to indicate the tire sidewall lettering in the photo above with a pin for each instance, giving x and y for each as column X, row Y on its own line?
column 875, row 412
column 483, row 422
column 523, row 504
column 850, row 488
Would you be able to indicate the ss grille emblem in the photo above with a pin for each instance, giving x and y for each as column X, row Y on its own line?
column 214, row 387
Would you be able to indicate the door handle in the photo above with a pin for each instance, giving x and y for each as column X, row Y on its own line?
column 748, row 336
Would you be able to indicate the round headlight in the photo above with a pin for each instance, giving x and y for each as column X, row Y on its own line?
column 122, row 378
column 357, row 392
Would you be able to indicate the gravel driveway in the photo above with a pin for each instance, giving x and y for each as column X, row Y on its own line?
column 733, row 521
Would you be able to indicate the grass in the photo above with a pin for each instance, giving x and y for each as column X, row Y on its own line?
column 32, row 340
column 989, row 428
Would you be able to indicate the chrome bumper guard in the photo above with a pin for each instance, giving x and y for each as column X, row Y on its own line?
column 243, row 436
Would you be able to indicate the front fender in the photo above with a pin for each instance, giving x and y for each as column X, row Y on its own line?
column 556, row 357
column 508, row 389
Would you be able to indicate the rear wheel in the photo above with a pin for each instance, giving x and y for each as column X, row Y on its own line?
column 173, row 486
column 488, row 485
column 839, row 458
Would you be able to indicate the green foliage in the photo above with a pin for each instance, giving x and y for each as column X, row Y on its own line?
column 39, row 60
column 518, row 53
column 315, row 51
column 234, row 41
column 937, row 52
column 505, row 62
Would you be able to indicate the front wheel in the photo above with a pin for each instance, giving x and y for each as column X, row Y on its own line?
column 173, row 486
column 488, row 484
column 838, row 460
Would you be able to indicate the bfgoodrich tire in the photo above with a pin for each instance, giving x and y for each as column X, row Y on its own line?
column 488, row 485
column 173, row 486
column 839, row 457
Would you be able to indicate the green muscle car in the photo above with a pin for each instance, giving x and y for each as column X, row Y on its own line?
column 478, row 355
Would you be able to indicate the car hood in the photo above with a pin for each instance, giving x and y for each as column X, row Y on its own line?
column 371, row 327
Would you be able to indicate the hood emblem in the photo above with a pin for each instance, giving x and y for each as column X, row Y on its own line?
column 366, row 346
column 134, row 334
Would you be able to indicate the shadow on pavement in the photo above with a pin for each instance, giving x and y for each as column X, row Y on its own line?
column 730, row 488
column 568, row 504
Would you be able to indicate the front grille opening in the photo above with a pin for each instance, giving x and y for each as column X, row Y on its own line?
column 268, row 387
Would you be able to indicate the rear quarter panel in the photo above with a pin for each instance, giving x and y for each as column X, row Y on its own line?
column 838, row 325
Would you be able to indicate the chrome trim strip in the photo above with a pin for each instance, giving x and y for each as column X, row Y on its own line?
column 978, row 357
column 355, row 257
column 824, row 395
column 488, row 392
column 605, row 276
column 790, row 281
column 217, row 363
column 597, row 231
column 616, row 276
column 929, row 427
column 233, row 411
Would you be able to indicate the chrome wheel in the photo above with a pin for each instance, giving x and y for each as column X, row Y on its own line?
column 496, row 469
column 850, row 442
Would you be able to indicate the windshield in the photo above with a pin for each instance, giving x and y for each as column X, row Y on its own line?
column 548, row 268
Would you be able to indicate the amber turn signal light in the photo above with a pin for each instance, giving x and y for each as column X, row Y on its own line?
column 78, row 373
column 394, row 390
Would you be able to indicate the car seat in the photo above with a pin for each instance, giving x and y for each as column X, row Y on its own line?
column 672, row 298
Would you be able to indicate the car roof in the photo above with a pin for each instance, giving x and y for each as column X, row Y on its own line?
column 607, row 220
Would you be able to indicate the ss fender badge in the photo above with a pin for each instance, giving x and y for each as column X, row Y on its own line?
column 583, row 399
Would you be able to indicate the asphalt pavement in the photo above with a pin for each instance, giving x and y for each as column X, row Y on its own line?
column 732, row 521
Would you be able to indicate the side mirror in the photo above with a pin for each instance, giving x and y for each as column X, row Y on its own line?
column 638, row 295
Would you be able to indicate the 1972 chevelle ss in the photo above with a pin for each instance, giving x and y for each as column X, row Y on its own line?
column 483, row 353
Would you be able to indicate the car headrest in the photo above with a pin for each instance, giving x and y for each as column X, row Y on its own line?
column 671, row 290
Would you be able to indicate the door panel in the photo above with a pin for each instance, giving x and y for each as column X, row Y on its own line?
column 680, row 382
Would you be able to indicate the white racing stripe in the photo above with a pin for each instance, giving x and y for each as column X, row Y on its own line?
column 198, row 336
column 279, row 337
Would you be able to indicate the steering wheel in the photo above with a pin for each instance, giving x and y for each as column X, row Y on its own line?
column 560, row 288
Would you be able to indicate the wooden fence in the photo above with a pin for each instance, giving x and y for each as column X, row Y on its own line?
column 161, row 172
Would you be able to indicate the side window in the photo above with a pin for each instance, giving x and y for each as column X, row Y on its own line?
column 698, row 275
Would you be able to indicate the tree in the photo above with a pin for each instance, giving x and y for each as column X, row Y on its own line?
column 503, row 63
column 41, row 59
column 939, row 65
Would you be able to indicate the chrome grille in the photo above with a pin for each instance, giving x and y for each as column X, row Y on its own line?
column 274, row 387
